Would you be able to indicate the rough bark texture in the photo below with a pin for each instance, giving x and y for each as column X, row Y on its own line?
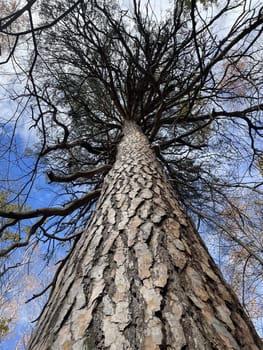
column 141, row 278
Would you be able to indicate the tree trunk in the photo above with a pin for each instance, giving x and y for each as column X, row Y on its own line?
column 140, row 277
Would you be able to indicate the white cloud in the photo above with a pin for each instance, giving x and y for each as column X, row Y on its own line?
column 15, row 115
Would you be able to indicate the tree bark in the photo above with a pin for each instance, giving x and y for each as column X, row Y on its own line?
column 141, row 277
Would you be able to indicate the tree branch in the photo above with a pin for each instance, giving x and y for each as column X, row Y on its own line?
column 47, row 212
column 85, row 174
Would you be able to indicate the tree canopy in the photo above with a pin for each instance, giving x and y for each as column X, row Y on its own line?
column 191, row 78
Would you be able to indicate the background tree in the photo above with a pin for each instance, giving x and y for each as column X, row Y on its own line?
column 195, row 95
column 16, row 283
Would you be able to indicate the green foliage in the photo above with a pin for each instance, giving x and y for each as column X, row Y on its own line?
column 13, row 232
column 4, row 326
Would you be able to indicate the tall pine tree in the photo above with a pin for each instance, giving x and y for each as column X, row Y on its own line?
column 147, row 119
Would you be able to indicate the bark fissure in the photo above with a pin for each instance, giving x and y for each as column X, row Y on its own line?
column 140, row 276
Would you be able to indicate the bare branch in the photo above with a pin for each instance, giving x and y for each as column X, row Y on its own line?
column 47, row 212
column 85, row 174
